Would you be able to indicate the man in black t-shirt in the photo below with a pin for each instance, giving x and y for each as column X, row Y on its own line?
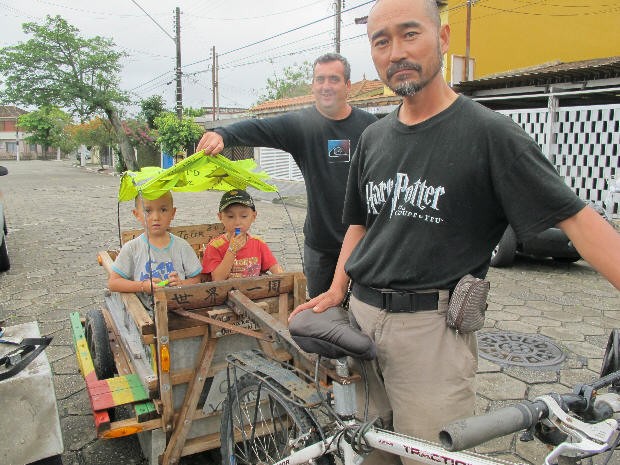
column 321, row 140
column 431, row 189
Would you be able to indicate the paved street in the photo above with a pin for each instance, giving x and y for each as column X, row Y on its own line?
column 60, row 215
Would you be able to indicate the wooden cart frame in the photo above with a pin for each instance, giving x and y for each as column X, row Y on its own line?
column 176, row 349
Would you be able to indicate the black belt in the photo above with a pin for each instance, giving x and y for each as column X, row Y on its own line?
column 396, row 301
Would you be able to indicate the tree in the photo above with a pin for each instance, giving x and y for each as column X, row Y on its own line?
column 177, row 135
column 151, row 108
column 295, row 82
column 59, row 67
column 96, row 132
column 46, row 127
column 193, row 112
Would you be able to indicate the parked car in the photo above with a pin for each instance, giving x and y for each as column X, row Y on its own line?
column 5, row 264
column 549, row 243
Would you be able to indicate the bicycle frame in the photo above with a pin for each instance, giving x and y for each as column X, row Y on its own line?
column 394, row 443
column 352, row 440
column 584, row 439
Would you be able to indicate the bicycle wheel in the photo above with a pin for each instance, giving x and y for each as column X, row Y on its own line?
column 260, row 426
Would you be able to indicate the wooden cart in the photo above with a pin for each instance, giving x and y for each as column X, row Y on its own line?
column 168, row 368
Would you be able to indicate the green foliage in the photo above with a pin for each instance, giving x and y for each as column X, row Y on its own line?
column 193, row 112
column 177, row 135
column 46, row 127
column 58, row 67
column 151, row 108
column 97, row 132
column 295, row 82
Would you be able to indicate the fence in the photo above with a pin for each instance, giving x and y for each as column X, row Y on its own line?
column 583, row 143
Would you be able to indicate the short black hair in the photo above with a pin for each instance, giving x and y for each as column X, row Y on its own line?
column 328, row 58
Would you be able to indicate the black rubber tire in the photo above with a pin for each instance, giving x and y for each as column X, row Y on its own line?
column 504, row 253
column 54, row 460
column 96, row 333
column 5, row 263
column 266, row 449
column 566, row 259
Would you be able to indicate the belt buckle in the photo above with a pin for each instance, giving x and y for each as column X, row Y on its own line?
column 387, row 300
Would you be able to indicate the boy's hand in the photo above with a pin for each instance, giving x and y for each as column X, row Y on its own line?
column 237, row 242
column 173, row 279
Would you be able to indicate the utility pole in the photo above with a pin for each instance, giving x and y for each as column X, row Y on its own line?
column 16, row 141
column 214, row 81
column 179, row 93
column 467, row 40
column 338, row 5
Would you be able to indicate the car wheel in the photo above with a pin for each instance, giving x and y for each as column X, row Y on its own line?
column 54, row 460
column 504, row 252
column 566, row 259
column 5, row 264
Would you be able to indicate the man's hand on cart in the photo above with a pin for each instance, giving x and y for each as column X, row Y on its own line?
column 211, row 142
column 333, row 297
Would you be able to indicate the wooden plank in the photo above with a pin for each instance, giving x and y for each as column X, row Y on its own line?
column 163, row 366
column 123, row 365
column 106, row 259
column 198, row 235
column 194, row 331
column 145, row 411
column 184, row 421
column 185, row 375
column 138, row 313
column 108, row 393
column 216, row 292
column 202, row 443
column 222, row 324
column 283, row 309
column 300, row 292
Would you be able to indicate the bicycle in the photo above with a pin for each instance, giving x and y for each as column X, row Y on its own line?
column 278, row 414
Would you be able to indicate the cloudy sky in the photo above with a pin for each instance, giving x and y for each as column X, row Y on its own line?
column 254, row 39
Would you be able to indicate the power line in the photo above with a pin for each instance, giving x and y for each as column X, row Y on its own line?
column 279, row 34
column 153, row 19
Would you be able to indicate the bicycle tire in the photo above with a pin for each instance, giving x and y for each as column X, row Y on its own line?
column 255, row 417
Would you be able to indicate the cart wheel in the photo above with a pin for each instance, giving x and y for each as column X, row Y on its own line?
column 96, row 333
column 268, row 429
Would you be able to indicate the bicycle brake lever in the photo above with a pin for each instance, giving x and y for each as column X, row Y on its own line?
column 584, row 438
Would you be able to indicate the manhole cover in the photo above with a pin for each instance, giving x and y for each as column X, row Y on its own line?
column 529, row 350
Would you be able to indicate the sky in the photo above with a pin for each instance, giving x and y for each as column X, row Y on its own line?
column 254, row 40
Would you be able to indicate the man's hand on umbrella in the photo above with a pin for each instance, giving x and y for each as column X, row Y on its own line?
column 211, row 142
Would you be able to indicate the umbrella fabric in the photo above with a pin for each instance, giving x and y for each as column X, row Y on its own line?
column 196, row 173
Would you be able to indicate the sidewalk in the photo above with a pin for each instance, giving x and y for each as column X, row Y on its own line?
column 546, row 328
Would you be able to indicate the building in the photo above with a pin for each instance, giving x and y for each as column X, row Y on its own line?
column 503, row 35
column 572, row 110
column 12, row 143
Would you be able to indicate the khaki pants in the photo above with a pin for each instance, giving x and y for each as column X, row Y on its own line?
column 423, row 377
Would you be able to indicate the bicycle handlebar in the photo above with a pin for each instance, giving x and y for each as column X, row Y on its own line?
column 469, row 432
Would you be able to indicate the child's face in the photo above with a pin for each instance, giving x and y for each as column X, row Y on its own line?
column 155, row 215
column 237, row 216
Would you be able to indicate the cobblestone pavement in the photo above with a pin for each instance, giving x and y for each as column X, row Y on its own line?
column 60, row 215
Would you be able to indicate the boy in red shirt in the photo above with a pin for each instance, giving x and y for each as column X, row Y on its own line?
column 237, row 254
